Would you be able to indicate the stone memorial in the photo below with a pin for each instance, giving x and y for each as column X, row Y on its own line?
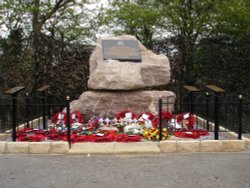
column 121, row 69
column 112, row 74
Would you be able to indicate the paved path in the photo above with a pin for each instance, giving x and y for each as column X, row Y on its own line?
column 191, row 170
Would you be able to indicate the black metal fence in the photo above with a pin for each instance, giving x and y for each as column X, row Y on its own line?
column 215, row 112
column 20, row 110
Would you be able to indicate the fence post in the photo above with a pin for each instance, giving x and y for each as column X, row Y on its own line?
column 207, row 110
column 216, row 91
column 27, row 101
column 240, row 104
column 48, row 98
column 13, row 92
column 216, row 117
column 191, row 90
column 160, row 118
column 43, row 90
column 14, row 116
column 68, row 121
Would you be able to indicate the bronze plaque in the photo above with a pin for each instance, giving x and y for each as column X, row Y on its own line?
column 121, row 50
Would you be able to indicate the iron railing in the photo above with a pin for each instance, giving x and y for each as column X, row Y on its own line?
column 214, row 113
column 23, row 110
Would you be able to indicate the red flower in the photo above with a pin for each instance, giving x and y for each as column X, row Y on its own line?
column 150, row 115
column 167, row 115
column 155, row 123
column 122, row 114
column 127, row 138
column 55, row 118
column 76, row 116
column 38, row 138
column 192, row 134
column 31, row 138
column 182, row 134
column 189, row 121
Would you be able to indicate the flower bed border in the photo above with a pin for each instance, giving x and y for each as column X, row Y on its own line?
column 147, row 147
column 169, row 146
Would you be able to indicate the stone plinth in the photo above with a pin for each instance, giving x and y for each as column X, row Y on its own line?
column 110, row 103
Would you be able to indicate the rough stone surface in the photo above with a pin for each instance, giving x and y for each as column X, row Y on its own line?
column 92, row 148
column 109, row 103
column 59, row 147
column 168, row 146
column 74, row 105
column 39, row 147
column 188, row 146
column 154, row 70
column 211, row 145
column 2, row 147
column 233, row 145
column 247, row 144
column 136, row 147
column 18, row 147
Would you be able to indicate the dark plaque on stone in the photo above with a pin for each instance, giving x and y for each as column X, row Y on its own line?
column 121, row 50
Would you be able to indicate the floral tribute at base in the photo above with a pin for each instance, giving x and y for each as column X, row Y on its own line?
column 126, row 126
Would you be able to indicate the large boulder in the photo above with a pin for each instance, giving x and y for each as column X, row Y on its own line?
column 109, row 103
column 153, row 70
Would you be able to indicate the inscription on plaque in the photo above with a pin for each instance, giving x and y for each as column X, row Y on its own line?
column 121, row 50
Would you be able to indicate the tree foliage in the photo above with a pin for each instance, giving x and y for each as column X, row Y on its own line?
column 46, row 31
column 207, row 41
column 138, row 18
column 184, row 26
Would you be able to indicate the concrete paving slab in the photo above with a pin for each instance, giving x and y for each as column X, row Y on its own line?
column 168, row 146
column 136, row 147
column 211, row 146
column 188, row 146
column 59, row 147
column 39, row 147
column 92, row 148
column 17, row 147
column 233, row 145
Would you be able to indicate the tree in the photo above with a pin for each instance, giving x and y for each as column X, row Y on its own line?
column 138, row 18
column 224, row 55
column 15, row 61
column 189, row 21
column 43, row 23
column 185, row 20
column 41, row 14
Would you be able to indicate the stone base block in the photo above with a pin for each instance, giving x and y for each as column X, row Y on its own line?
column 107, row 103
column 39, row 147
column 188, row 146
column 2, row 147
column 92, row 148
column 247, row 144
column 136, row 148
column 18, row 147
column 211, row 145
column 168, row 146
column 233, row 145
column 3, row 137
column 59, row 147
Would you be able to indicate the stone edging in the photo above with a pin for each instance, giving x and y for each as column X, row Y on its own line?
column 168, row 146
